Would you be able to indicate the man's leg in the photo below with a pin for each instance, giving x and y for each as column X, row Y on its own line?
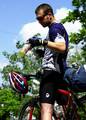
column 47, row 95
column 46, row 111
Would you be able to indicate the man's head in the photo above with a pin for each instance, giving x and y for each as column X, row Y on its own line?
column 44, row 14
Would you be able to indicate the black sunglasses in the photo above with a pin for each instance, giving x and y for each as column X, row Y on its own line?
column 40, row 17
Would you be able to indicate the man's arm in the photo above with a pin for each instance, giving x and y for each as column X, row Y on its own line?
column 25, row 49
column 57, row 46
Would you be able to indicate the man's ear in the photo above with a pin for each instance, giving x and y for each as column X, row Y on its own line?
column 49, row 17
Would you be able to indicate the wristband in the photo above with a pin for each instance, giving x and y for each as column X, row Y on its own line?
column 45, row 42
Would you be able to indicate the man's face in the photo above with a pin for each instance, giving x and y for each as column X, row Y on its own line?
column 43, row 19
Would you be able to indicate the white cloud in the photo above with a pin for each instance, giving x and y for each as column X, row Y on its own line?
column 61, row 13
column 70, row 26
column 30, row 29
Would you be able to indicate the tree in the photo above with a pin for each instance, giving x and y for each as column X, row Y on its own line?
column 79, row 13
column 9, row 102
column 24, row 64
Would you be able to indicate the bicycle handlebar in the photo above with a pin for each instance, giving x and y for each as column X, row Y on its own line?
column 29, row 76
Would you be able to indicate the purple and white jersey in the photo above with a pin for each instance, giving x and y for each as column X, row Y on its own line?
column 52, row 59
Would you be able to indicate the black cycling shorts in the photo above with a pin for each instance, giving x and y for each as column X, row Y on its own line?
column 48, row 86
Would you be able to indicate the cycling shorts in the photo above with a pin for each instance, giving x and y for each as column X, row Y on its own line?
column 49, row 84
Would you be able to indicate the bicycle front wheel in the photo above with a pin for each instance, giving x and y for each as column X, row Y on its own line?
column 30, row 111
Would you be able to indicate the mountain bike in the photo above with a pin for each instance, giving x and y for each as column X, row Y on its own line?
column 68, row 110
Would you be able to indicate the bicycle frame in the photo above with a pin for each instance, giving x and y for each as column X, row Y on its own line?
column 70, row 102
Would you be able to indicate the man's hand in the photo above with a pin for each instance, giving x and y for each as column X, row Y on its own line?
column 35, row 41
column 21, row 54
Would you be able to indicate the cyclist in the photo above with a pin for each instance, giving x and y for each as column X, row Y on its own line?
column 54, row 60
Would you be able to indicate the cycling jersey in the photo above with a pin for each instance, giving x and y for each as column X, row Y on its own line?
column 54, row 60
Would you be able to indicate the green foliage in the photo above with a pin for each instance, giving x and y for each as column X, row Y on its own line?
column 19, row 45
column 84, row 53
column 79, row 13
column 9, row 101
column 24, row 64
column 81, row 112
column 77, row 37
column 76, row 58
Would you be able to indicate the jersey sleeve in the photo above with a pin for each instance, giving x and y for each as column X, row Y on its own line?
column 59, row 38
column 55, row 31
column 58, row 33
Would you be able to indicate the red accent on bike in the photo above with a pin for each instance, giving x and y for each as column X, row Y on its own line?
column 64, row 92
column 31, row 113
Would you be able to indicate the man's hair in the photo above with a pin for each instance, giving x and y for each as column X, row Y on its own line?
column 46, row 8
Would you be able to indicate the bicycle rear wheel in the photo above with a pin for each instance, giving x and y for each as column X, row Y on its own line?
column 69, row 111
column 30, row 111
column 67, row 114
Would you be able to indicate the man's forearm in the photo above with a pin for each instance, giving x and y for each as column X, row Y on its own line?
column 25, row 48
column 57, row 46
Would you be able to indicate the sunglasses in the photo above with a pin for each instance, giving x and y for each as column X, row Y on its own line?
column 40, row 17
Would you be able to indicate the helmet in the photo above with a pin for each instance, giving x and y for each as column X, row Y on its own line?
column 18, row 82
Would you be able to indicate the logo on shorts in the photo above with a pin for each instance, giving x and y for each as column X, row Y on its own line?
column 47, row 95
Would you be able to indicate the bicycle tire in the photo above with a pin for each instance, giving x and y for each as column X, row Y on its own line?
column 77, row 110
column 72, row 114
column 30, row 111
column 70, row 111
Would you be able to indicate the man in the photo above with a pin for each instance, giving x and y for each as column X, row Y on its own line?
column 54, row 60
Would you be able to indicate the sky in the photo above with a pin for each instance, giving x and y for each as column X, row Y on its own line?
column 17, row 22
